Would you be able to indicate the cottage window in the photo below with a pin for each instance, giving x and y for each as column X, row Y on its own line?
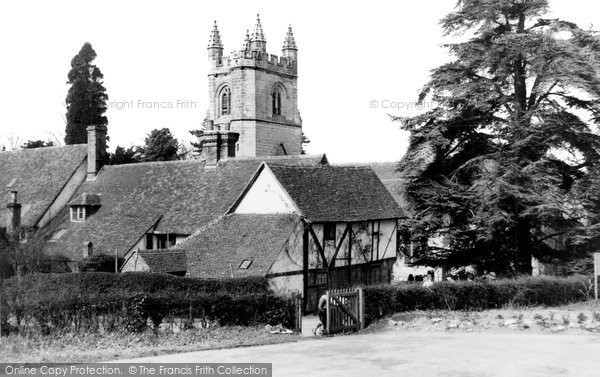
column 245, row 264
column 225, row 101
column 160, row 241
column 329, row 232
column 149, row 241
column 78, row 214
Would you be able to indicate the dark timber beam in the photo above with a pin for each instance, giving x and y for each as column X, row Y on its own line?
column 339, row 246
column 319, row 247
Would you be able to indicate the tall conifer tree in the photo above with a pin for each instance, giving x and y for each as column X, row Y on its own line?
column 504, row 168
column 86, row 99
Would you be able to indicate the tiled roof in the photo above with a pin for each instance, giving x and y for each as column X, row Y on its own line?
column 222, row 247
column 393, row 180
column 177, row 197
column 164, row 261
column 337, row 193
column 38, row 175
column 86, row 200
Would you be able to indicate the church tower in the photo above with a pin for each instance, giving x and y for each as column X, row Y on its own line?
column 255, row 95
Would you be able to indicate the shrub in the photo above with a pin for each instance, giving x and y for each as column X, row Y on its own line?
column 97, row 301
column 528, row 291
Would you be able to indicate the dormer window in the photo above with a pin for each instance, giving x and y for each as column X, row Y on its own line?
column 83, row 207
column 77, row 213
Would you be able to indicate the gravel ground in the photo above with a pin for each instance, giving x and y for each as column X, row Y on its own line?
column 576, row 318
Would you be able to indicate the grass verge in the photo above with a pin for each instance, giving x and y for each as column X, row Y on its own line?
column 95, row 347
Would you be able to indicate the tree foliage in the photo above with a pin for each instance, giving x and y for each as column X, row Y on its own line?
column 100, row 263
column 32, row 144
column 506, row 166
column 161, row 145
column 25, row 255
column 86, row 99
column 304, row 141
column 123, row 155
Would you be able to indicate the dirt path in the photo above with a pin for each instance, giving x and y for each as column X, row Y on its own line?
column 405, row 353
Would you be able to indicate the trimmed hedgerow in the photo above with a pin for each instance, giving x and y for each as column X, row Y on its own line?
column 481, row 295
column 131, row 301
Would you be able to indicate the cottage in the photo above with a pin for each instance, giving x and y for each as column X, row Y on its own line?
column 306, row 228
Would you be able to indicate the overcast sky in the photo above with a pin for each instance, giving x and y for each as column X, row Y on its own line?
column 357, row 60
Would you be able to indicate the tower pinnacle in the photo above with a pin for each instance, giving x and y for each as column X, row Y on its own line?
column 289, row 43
column 289, row 49
column 246, row 46
column 215, row 38
column 258, row 41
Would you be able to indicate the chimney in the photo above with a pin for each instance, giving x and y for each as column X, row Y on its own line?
column 96, row 136
column 13, row 228
column 218, row 144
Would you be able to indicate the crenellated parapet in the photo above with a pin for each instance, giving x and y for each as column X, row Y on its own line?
column 255, row 59
column 253, row 53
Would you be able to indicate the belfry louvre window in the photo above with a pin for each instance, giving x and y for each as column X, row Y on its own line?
column 276, row 99
column 225, row 99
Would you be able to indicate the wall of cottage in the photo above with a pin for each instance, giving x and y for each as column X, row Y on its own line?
column 371, row 241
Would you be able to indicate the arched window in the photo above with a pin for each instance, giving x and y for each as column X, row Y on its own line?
column 276, row 101
column 225, row 101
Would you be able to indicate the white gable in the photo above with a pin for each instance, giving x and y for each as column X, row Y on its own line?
column 266, row 196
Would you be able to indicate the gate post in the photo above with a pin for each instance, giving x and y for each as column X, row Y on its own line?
column 327, row 313
column 361, row 307
column 298, row 312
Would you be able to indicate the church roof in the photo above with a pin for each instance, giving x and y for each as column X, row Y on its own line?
column 225, row 245
column 38, row 175
column 177, row 197
column 393, row 180
column 337, row 193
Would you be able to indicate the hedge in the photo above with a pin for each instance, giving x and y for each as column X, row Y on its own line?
column 384, row 300
column 128, row 302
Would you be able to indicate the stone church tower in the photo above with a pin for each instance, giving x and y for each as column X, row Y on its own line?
column 253, row 99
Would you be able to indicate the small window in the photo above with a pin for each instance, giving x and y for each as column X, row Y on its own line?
column 88, row 251
column 11, row 183
column 245, row 264
column 225, row 101
column 78, row 214
column 329, row 232
column 149, row 241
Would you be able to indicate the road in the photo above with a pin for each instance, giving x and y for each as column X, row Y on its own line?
column 399, row 353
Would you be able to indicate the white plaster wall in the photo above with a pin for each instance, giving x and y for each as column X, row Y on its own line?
column 135, row 263
column 65, row 195
column 266, row 196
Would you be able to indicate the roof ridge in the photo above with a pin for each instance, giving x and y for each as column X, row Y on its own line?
column 162, row 251
column 146, row 163
column 321, row 167
column 30, row 150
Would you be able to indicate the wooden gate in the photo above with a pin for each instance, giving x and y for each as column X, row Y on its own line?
column 345, row 310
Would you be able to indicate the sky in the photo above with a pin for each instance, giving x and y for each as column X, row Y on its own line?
column 358, row 63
